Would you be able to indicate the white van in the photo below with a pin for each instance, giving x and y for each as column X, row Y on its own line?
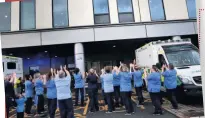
column 12, row 64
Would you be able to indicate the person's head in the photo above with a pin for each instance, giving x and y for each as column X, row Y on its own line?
column 171, row 66
column 136, row 67
column 37, row 76
column 91, row 71
column 61, row 74
column 77, row 70
column 158, row 65
column 49, row 76
column 6, row 78
column 124, row 68
column 108, row 69
column 27, row 77
column 154, row 68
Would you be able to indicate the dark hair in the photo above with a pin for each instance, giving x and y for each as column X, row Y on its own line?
column 171, row 66
column 158, row 65
column 49, row 75
column 77, row 70
column 155, row 68
column 108, row 69
column 27, row 77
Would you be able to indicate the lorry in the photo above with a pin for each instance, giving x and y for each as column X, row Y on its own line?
column 182, row 54
column 12, row 64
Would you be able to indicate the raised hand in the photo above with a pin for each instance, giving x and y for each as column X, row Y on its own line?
column 61, row 67
column 65, row 68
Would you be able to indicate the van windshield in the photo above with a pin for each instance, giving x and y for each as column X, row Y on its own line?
column 182, row 55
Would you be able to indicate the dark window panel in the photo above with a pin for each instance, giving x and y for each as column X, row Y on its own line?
column 102, row 19
column 100, row 6
column 126, row 17
column 5, row 17
column 27, row 14
column 60, row 13
column 191, row 6
column 156, row 10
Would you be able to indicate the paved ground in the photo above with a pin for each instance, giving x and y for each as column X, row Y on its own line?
column 185, row 111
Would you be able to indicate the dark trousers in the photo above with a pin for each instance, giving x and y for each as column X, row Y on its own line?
column 172, row 97
column 8, row 105
column 66, row 108
column 77, row 95
column 140, row 95
column 28, row 105
column 93, row 96
column 155, row 97
column 20, row 114
column 118, row 98
column 52, row 106
column 40, row 105
column 126, row 96
column 104, row 97
column 110, row 101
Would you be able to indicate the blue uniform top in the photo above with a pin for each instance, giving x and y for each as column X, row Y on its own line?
column 63, row 88
column 20, row 104
column 28, row 89
column 39, row 87
column 116, row 80
column 138, row 82
column 154, row 82
column 170, row 79
column 125, row 81
column 51, row 89
column 79, row 83
column 101, row 80
column 108, row 83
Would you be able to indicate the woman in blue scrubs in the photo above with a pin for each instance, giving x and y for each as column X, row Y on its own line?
column 154, row 85
column 170, row 83
column 79, row 86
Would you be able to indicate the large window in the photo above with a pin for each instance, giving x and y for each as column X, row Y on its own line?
column 60, row 13
column 125, row 11
column 27, row 9
column 101, row 12
column 5, row 17
column 191, row 6
column 156, row 10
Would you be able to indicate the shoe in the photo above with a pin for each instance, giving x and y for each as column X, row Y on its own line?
column 133, row 112
column 128, row 114
column 91, row 112
column 138, row 105
column 108, row 112
column 157, row 113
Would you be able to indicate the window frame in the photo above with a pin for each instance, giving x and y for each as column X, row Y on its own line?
column 163, row 12
column 101, row 14
column 9, row 20
column 20, row 14
column 53, row 24
column 125, row 12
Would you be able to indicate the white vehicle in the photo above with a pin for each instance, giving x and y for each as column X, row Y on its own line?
column 11, row 65
column 182, row 54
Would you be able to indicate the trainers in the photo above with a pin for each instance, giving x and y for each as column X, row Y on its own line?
column 128, row 114
column 157, row 113
column 108, row 112
column 91, row 112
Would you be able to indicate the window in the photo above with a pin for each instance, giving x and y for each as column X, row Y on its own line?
column 191, row 6
column 125, row 11
column 156, row 10
column 11, row 65
column 60, row 13
column 101, row 12
column 5, row 17
column 27, row 12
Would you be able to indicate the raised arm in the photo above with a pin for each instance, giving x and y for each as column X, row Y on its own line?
column 66, row 71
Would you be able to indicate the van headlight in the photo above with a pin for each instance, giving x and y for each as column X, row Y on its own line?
column 186, row 80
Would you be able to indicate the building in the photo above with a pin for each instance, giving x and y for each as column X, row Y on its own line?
column 44, row 32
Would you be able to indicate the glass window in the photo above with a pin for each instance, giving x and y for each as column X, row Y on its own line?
column 28, row 14
column 156, row 9
column 101, row 12
column 101, row 7
column 191, row 6
column 11, row 65
column 125, row 11
column 124, row 6
column 60, row 13
column 5, row 17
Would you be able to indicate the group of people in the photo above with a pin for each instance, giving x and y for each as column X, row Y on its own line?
column 116, row 89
